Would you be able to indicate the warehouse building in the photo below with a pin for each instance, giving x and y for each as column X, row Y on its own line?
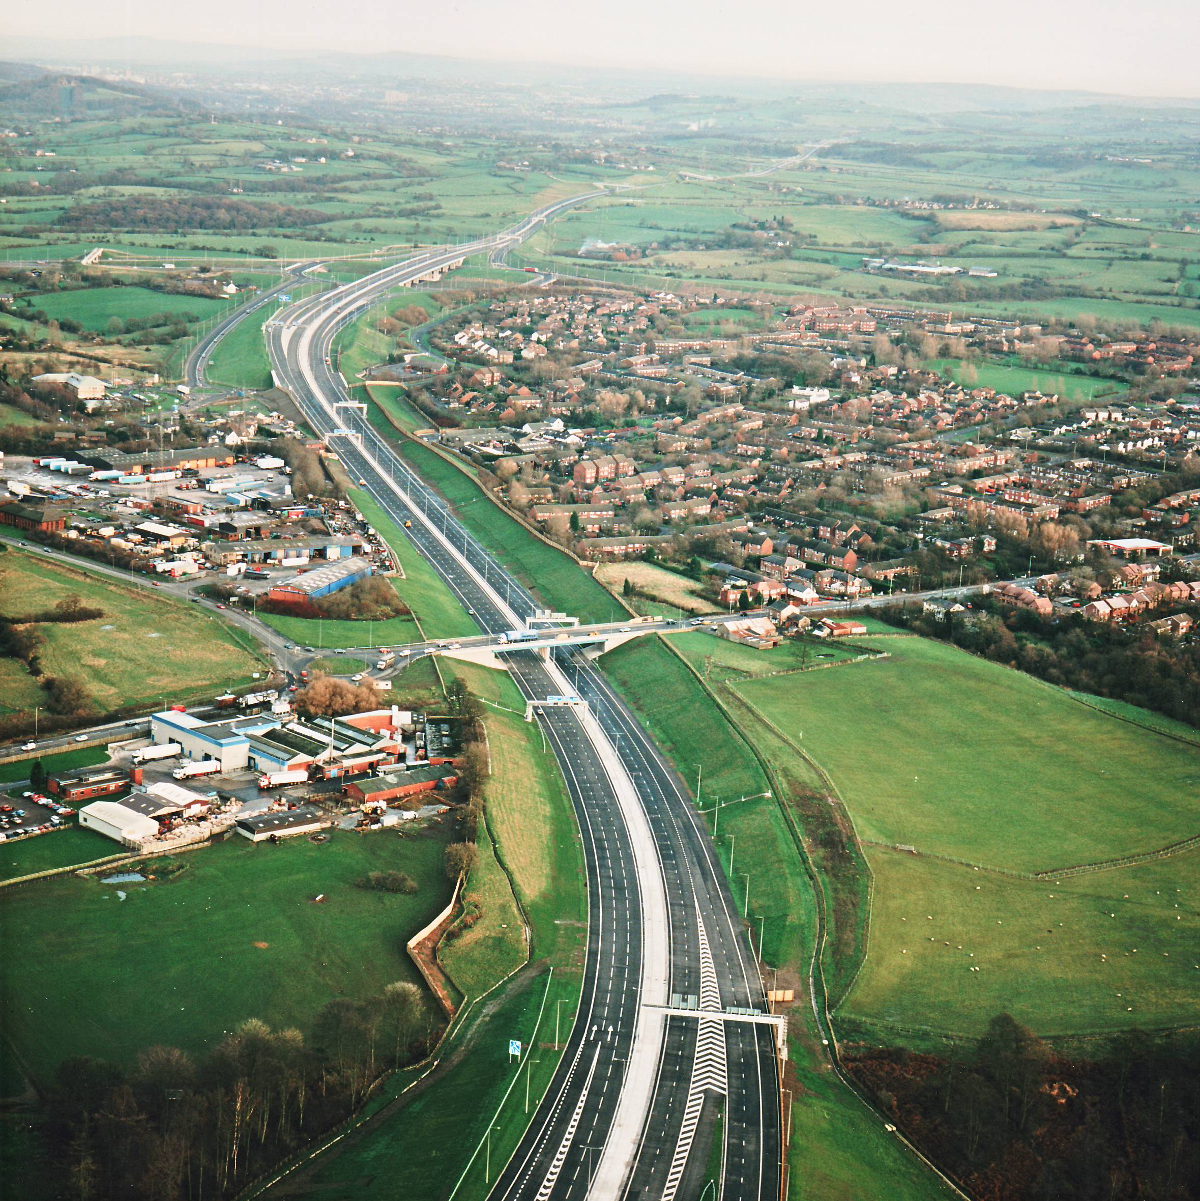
column 304, row 588
column 390, row 786
column 286, row 823
column 224, row 741
column 142, row 815
column 283, row 552
column 32, row 517
column 143, row 462
column 120, row 823
column 330, row 743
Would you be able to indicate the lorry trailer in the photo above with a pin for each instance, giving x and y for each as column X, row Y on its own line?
column 278, row 779
column 202, row 767
column 160, row 750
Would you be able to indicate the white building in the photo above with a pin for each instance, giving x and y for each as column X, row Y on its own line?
column 117, row 821
column 85, row 387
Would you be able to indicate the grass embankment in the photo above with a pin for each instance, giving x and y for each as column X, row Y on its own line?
column 548, row 571
column 338, row 665
column 236, row 935
column 240, row 359
column 839, row 1147
column 328, row 634
column 147, row 647
column 69, row 847
column 435, row 608
column 438, row 1134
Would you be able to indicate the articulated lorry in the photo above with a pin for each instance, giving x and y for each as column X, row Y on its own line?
column 520, row 636
column 279, row 779
column 160, row 750
column 202, row 767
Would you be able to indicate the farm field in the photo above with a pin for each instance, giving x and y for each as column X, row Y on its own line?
column 93, row 308
column 1086, row 954
column 1009, row 784
column 999, row 769
column 184, row 654
column 657, row 583
column 200, row 936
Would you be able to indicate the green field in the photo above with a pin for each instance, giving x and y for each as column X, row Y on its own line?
column 19, row 691
column 63, row 848
column 177, row 962
column 119, row 659
column 963, row 777
column 93, row 308
column 330, row 634
column 11, row 416
column 338, row 665
column 1015, row 380
column 1099, row 952
column 435, row 608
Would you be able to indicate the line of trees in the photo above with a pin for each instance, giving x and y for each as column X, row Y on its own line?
column 179, row 1128
column 1015, row 1120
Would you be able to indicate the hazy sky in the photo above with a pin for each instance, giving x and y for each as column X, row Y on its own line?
column 1147, row 48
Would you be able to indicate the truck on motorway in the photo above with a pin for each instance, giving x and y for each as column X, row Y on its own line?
column 519, row 636
column 159, row 750
column 385, row 660
column 279, row 779
column 202, row 767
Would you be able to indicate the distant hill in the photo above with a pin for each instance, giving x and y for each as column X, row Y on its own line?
column 45, row 95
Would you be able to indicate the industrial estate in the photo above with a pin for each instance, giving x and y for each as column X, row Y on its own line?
column 585, row 641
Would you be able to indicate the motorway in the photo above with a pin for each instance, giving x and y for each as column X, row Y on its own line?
column 672, row 1024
